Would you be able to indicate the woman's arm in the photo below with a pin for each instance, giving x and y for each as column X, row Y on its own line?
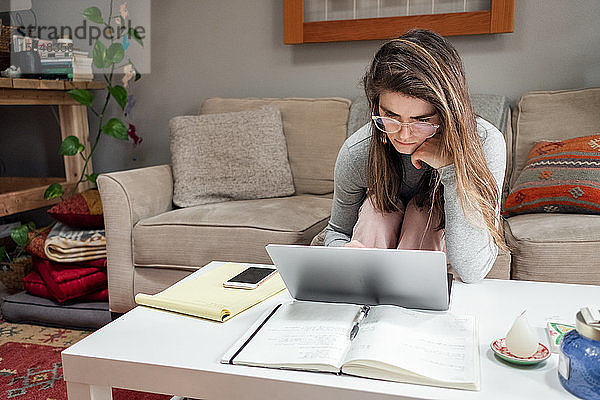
column 471, row 250
column 349, row 189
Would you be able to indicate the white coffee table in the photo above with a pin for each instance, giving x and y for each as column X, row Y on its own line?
column 161, row 352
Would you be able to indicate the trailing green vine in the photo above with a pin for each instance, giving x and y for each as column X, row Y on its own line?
column 105, row 58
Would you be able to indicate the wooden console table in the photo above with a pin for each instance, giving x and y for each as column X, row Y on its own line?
column 19, row 194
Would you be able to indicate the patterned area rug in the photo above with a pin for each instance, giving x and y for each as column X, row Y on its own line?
column 31, row 368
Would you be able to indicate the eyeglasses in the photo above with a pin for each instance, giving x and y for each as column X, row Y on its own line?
column 418, row 128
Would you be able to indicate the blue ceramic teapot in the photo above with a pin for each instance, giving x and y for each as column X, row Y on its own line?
column 579, row 362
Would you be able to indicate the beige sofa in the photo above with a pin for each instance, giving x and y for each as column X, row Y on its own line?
column 151, row 245
column 553, row 247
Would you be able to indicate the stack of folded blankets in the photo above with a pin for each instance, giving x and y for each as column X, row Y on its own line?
column 69, row 259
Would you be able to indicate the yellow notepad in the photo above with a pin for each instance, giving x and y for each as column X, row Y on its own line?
column 205, row 296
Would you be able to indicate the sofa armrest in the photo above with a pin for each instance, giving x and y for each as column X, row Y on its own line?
column 127, row 197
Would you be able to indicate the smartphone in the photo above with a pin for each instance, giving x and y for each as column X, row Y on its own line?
column 250, row 278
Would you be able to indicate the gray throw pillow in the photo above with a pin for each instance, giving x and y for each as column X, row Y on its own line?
column 231, row 156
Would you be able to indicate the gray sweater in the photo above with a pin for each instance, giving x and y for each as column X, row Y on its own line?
column 470, row 249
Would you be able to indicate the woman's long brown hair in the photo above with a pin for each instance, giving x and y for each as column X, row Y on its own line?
column 424, row 65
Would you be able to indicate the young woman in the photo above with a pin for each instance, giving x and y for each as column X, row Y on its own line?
column 425, row 173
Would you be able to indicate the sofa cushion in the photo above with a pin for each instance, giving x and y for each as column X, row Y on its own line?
column 554, row 247
column 24, row 308
column 559, row 177
column 552, row 115
column 82, row 210
column 231, row 231
column 230, row 156
column 555, row 228
column 315, row 129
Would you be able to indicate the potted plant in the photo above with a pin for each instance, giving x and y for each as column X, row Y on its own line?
column 110, row 58
column 15, row 264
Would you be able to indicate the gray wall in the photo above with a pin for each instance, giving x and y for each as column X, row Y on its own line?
column 203, row 48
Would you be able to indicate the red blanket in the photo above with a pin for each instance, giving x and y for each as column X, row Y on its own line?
column 61, row 282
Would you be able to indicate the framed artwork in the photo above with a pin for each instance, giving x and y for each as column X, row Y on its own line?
column 311, row 21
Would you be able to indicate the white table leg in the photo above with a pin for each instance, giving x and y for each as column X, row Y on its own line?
column 80, row 391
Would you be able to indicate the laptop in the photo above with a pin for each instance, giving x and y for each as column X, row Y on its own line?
column 406, row 278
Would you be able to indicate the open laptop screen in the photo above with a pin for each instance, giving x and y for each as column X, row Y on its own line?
column 407, row 278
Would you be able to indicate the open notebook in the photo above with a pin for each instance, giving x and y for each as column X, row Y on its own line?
column 204, row 295
column 391, row 343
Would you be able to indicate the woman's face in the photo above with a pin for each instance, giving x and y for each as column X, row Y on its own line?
column 406, row 109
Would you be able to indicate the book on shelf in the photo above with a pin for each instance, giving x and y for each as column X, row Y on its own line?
column 56, row 68
column 56, row 54
column 204, row 295
column 82, row 77
column 57, row 71
column 56, row 60
column 82, row 66
column 60, row 68
column 51, row 55
column 388, row 342
column 82, row 57
column 55, row 64
column 83, row 63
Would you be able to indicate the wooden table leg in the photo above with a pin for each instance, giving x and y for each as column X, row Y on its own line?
column 74, row 122
column 80, row 391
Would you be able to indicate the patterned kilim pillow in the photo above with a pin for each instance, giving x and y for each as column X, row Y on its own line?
column 561, row 177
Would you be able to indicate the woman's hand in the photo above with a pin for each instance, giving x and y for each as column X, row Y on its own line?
column 430, row 152
column 355, row 243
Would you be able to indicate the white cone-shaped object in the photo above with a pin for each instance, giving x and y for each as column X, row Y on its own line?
column 521, row 339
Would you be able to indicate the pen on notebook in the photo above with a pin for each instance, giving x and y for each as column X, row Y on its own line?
column 359, row 317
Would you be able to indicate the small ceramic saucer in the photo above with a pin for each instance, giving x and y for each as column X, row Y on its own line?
column 499, row 347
